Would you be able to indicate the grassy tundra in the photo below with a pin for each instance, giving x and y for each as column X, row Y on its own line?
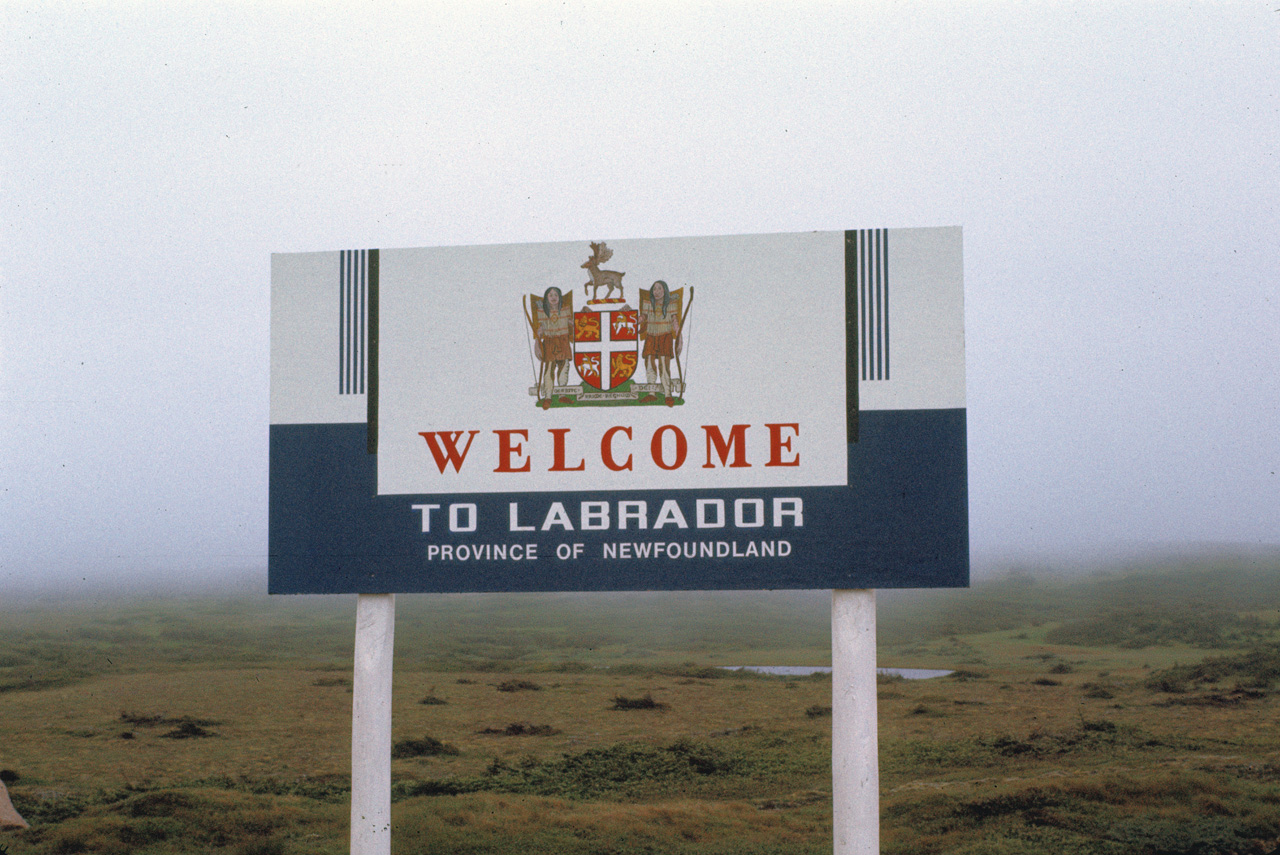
column 1127, row 713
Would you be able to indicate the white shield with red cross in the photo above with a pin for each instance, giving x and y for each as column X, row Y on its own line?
column 606, row 347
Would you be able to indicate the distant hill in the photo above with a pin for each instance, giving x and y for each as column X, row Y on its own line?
column 1203, row 601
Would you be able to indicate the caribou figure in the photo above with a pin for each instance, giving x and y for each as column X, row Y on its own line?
column 612, row 278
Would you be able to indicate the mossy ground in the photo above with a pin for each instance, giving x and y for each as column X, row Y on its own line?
column 1066, row 728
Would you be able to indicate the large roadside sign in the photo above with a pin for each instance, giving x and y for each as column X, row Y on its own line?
column 741, row 412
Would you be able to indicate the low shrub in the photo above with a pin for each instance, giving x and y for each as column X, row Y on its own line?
column 140, row 720
column 272, row 846
column 427, row 746
column 1090, row 737
column 157, row 804
column 963, row 676
column 1258, row 669
column 519, row 686
column 1207, row 836
column 683, row 670
column 1233, row 698
column 621, row 767
column 596, row 773
column 1005, row 805
column 151, row 829
column 1151, row 627
column 324, row 789
column 48, row 807
column 188, row 730
column 621, row 702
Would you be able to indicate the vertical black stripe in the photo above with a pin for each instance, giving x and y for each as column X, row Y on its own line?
column 346, row 319
column 869, row 257
column 360, row 345
column 872, row 307
column 351, row 276
column 877, row 352
column 357, row 258
column 862, row 287
column 862, row 298
column 885, row 239
column 342, row 322
column 372, row 398
column 351, row 322
column 851, row 335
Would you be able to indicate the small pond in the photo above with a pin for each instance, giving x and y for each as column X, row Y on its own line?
column 806, row 670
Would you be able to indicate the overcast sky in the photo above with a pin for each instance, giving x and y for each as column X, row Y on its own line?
column 1115, row 167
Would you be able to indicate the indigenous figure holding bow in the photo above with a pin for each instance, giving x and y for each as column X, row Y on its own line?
column 553, row 324
column 660, row 330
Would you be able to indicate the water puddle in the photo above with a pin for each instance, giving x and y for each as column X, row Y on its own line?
column 806, row 670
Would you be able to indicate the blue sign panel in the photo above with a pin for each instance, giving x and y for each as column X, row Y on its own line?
column 750, row 412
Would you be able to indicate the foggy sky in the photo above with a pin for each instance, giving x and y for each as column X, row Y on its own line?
column 1115, row 169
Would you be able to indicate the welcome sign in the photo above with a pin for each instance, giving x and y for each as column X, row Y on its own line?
column 741, row 412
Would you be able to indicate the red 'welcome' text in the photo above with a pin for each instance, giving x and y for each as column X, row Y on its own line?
column 668, row 447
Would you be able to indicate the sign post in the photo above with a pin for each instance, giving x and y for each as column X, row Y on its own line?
column 474, row 419
column 371, row 725
column 855, row 769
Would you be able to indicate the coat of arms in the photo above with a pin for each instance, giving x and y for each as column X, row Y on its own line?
column 606, row 342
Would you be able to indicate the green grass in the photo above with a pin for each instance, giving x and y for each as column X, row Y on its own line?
column 598, row 723
column 1259, row 670
column 1222, row 602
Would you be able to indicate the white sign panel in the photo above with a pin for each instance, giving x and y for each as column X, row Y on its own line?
column 460, row 374
column 758, row 411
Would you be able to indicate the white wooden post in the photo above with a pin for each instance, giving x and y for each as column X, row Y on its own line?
column 371, row 725
column 855, row 761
